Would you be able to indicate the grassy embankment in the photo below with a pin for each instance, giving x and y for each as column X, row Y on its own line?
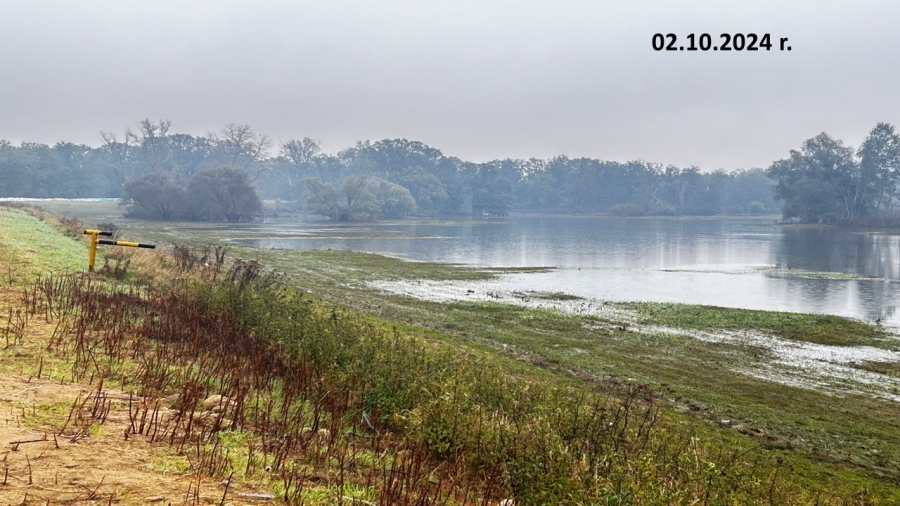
column 541, row 421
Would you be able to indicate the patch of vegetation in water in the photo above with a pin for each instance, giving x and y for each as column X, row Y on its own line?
column 560, row 296
column 355, row 266
column 805, row 225
column 877, row 232
column 805, row 327
column 779, row 272
column 887, row 368
column 360, row 266
column 518, row 270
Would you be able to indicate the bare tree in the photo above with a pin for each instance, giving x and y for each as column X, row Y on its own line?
column 242, row 148
column 152, row 140
column 119, row 158
column 300, row 152
column 298, row 157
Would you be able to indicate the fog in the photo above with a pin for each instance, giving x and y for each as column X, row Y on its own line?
column 477, row 79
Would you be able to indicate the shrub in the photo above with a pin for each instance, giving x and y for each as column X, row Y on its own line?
column 756, row 208
column 154, row 196
column 626, row 210
column 223, row 194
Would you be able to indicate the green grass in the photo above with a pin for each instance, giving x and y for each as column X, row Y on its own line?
column 30, row 246
column 91, row 212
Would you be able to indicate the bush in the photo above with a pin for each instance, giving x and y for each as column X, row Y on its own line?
column 154, row 196
column 223, row 194
column 665, row 211
column 626, row 210
column 756, row 208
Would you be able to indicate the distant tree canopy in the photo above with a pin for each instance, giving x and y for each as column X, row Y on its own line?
column 446, row 185
column 167, row 175
column 825, row 181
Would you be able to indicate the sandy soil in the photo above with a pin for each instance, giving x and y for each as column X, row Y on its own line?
column 42, row 466
column 44, row 460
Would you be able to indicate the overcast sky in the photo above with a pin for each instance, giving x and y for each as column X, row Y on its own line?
column 478, row 79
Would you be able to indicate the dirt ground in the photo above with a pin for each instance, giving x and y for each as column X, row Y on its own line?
column 49, row 457
column 42, row 466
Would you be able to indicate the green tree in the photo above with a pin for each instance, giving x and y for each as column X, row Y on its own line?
column 492, row 190
column 879, row 169
column 429, row 192
column 359, row 199
column 152, row 143
column 78, row 173
column 352, row 202
column 744, row 187
column 322, row 199
column 120, row 162
column 817, row 182
column 188, row 155
column 392, row 200
column 357, row 203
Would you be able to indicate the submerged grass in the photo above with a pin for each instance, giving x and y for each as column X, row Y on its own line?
column 547, row 295
column 779, row 272
column 360, row 266
column 886, row 368
column 805, row 327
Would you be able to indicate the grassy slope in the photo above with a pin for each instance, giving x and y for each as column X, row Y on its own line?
column 30, row 246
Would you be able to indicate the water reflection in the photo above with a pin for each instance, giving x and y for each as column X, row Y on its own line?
column 704, row 261
column 838, row 250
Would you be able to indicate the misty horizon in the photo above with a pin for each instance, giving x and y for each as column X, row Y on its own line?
column 479, row 80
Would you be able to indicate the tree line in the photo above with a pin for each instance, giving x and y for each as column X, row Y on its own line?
column 827, row 182
column 224, row 175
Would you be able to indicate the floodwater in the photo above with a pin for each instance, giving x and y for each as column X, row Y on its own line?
column 743, row 263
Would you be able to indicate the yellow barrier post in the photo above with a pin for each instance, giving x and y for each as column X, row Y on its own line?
column 92, row 254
